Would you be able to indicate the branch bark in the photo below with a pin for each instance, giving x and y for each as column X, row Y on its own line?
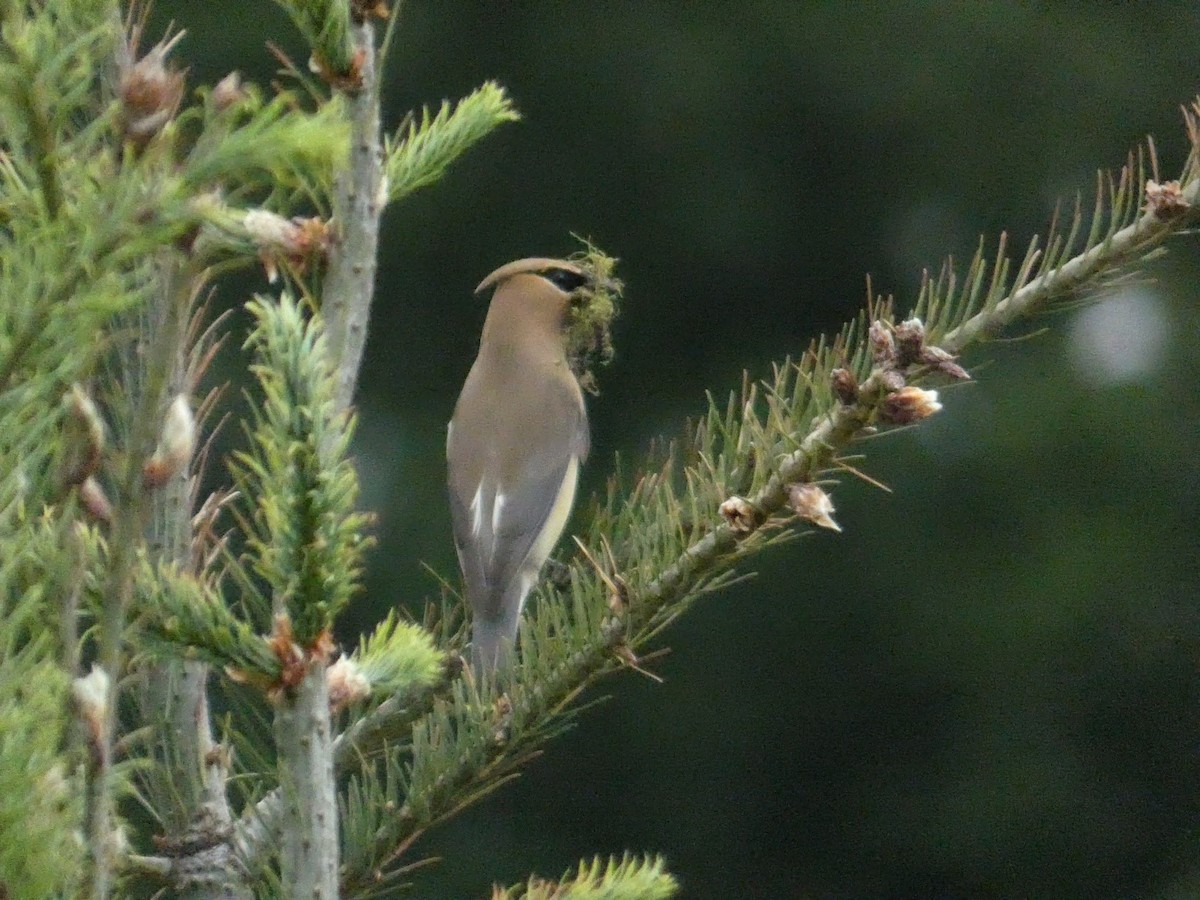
column 303, row 732
column 175, row 693
column 358, row 203
column 308, row 850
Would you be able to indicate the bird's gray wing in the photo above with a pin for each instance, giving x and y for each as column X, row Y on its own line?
column 499, row 514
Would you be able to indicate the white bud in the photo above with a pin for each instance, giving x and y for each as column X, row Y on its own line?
column 739, row 515
column 809, row 501
column 909, row 404
column 346, row 682
column 175, row 444
column 90, row 693
column 269, row 230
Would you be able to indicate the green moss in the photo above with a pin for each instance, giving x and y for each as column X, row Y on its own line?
column 595, row 307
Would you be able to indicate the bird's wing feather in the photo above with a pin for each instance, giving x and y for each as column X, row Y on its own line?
column 498, row 513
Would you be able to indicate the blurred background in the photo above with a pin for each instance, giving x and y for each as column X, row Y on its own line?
column 987, row 686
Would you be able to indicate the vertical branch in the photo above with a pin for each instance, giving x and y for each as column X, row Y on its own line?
column 174, row 693
column 145, row 380
column 303, row 729
column 307, row 542
column 309, row 840
column 358, row 204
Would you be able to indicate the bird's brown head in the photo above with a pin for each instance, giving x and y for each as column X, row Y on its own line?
column 533, row 296
column 567, row 304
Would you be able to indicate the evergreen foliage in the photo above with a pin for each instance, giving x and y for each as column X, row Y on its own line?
column 119, row 201
column 306, row 541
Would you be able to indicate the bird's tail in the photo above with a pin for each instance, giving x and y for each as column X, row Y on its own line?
column 492, row 643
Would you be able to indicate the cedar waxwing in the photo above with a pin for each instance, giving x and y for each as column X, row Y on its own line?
column 514, row 446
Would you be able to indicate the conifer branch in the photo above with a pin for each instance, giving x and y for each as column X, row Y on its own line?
column 750, row 471
column 627, row 878
column 326, row 25
column 358, row 203
column 308, row 851
column 306, row 545
column 419, row 154
column 182, row 615
column 187, row 786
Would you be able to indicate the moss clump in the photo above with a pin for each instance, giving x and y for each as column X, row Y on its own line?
column 595, row 305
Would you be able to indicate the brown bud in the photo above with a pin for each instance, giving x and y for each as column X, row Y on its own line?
column 293, row 661
column 845, row 386
column 810, row 502
column 228, row 92
column 502, row 711
column 297, row 241
column 220, row 756
column 350, row 81
column 883, row 345
column 150, row 93
column 85, row 436
column 909, row 405
column 943, row 362
column 910, row 338
column 1165, row 201
column 366, row 9
column 891, row 380
column 618, row 595
column 739, row 515
column 94, row 500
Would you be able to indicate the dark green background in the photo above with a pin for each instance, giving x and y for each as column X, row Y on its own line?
column 987, row 686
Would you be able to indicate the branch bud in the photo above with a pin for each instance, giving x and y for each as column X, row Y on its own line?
column 908, row 405
column 1166, row 200
column 891, row 380
column 362, row 10
column 150, row 93
column 883, row 345
column 228, row 92
column 739, row 515
column 90, row 693
column 944, row 362
column 845, row 386
column 175, row 444
column 910, row 339
column 810, row 502
column 347, row 684
column 94, row 500
column 86, row 439
column 296, row 241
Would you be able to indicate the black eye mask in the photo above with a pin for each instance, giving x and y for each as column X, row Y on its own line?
column 564, row 279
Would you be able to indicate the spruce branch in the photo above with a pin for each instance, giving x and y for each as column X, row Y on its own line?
column 274, row 146
column 398, row 658
column 41, row 810
column 326, row 25
column 627, row 878
column 306, row 541
column 308, row 852
column 45, row 83
column 182, row 614
column 305, row 544
column 185, row 787
column 750, row 470
column 420, row 152
column 358, row 202
column 389, row 723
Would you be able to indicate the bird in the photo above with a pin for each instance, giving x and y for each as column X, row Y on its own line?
column 514, row 446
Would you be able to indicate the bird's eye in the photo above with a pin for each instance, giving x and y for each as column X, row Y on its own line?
column 564, row 279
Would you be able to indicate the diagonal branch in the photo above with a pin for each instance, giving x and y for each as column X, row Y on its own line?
column 667, row 547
